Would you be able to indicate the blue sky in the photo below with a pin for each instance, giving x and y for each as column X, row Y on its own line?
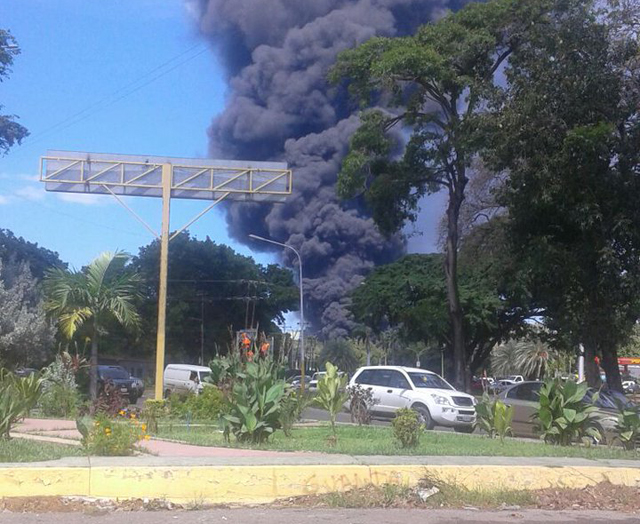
column 123, row 76
column 96, row 56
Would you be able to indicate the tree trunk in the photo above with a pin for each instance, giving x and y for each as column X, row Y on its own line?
column 460, row 369
column 591, row 371
column 611, row 368
column 93, row 366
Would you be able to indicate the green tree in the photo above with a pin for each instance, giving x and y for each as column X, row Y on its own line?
column 11, row 132
column 213, row 288
column 567, row 131
column 26, row 336
column 104, row 291
column 439, row 83
column 411, row 294
column 340, row 353
column 16, row 250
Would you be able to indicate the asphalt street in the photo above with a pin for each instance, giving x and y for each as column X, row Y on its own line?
column 323, row 516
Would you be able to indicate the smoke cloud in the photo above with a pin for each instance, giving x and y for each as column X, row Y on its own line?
column 276, row 54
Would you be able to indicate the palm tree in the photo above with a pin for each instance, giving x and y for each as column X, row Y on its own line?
column 340, row 353
column 529, row 357
column 103, row 291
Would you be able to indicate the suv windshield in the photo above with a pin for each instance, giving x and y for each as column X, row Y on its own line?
column 428, row 380
column 114, row 373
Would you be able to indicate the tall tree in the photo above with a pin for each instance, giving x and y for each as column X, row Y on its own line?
column 92, row 298
column 438, row 83
column 26, row 336
column 16, row 250
column 411, row 294
column 212, row 289
column 567, row 132
column 11, row 132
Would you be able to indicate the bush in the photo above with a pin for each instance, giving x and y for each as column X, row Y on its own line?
column 60, row 395
column 628, row 427
column 17, row 397
column 208, row 405
column 331, row 394
column 107, row 437
column 255, row 403
column 407, row 427
column 110, row 401
column 153, row 411
column 494, row 416
column 361, row 401
column 562, row 416
column 293, row 404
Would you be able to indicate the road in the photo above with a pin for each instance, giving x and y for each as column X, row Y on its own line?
column 324, row 516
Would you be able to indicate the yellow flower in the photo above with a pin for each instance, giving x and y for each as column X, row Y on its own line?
column 147, row 437
column 144, row 427
column 121, row 412
column 133, row 415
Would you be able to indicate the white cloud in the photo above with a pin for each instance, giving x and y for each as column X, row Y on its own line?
column 4, row 200
column 33, row 193
column 20, row 176
column 84, row 199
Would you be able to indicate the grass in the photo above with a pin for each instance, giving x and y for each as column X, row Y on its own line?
column 394, row 496
column 373, row 440
column 22, row 450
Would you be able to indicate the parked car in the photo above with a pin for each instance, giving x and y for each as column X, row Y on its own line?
column 524, row 398
column 184, row 378
column 481, row 384
column 24, row 372
column 436, row 401
column 313, row 383
column 295, row 381
column 138, row 386
column 120, row 378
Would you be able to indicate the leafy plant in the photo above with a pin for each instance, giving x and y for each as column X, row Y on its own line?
column 110, row 400
column 112, row 438
column 153, row 411
column 361, row 401
column 628, row 427
column 293, row 404
column 332, row 394
column 60, row 395
column 207, row 405
column 17, row 397
column 407, row 427
column 255, row 403
column 494, row 417
column 225, row 371
column 562, row 416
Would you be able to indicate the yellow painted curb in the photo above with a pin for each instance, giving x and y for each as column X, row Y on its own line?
column 257, row 484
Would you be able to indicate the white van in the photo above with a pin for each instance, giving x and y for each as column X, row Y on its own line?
column 184, row 378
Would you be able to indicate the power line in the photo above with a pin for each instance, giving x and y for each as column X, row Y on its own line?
column 109, row 100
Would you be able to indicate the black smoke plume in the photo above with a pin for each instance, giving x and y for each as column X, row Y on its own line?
column 276, row 54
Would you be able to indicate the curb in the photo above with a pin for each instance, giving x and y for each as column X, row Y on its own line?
column 222, row 484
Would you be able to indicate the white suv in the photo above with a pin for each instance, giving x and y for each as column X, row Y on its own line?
column 437, row 401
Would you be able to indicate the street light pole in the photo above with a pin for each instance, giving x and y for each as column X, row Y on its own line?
column 302, row 356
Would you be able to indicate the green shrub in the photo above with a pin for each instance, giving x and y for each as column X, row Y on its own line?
column 628, row 427
column 60, row 395
column 18, row 396
column 255, row 403
column 293, row 404
column 361, row 401
column 331, row 394
column 494, row 417
column 153, row 411
column 107, row 437
column 562, row 416
column 207, row 405
column 407, row 427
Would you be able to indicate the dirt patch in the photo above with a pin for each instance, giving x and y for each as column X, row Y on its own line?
column 603, row 496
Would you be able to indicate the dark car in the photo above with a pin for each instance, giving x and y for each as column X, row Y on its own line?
column 120, row 378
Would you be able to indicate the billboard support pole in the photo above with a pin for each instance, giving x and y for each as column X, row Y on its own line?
column 162, row 286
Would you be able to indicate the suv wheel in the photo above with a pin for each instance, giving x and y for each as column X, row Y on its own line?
column 424, row 415
column 464, row 429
